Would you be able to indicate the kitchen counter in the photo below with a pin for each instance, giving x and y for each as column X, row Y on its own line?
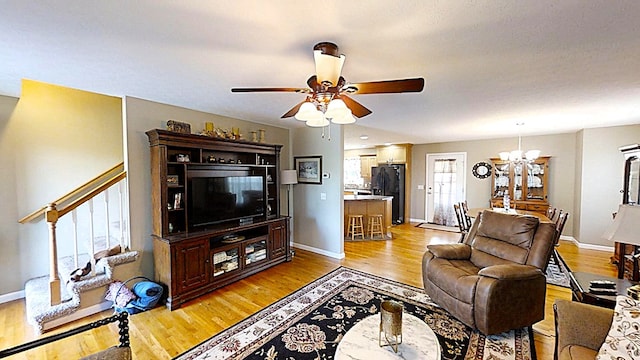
column 366, row 197
column 357, row 191
column 368, row 205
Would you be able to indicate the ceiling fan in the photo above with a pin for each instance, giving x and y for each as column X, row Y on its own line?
column 328, row 92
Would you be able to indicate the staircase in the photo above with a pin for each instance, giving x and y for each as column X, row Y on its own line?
column 56, row 298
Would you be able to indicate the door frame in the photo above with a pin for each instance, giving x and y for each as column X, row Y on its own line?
column 429, row 177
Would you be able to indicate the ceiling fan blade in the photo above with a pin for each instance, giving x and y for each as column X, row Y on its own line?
column 358, row 110
column 293, row 110
column 272, row 89
column 385, row 87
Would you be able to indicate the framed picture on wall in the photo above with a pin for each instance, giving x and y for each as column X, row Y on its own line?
column 309, row 169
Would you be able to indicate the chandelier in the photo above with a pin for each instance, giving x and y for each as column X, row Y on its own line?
column 517, row 155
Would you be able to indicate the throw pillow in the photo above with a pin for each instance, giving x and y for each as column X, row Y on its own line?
column 623, row 337
column 119, row 293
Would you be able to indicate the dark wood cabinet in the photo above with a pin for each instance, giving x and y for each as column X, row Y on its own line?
column 279, row 240
column 631, row 185
column 525, row 183
column 194, row 260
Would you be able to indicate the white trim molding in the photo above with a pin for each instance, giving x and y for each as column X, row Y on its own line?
column 319, row 251
column 587, row 246
column 11, row 296
column 94, row 309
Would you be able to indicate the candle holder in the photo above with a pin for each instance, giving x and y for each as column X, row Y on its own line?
column 391, row 324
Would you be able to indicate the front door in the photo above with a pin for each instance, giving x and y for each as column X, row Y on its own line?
column 446, row 184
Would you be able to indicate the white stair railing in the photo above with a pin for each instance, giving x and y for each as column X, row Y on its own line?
column 106, row 214
column 84, row 194
column 74, row 220
column 92, row 238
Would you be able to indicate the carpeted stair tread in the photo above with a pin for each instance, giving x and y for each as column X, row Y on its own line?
column 37, row 301
column 103, row 270
column 37, row 297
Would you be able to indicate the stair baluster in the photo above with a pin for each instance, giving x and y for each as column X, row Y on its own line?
column 121, row 190
column 74, row 220
column 108, row 223
column 92, row 238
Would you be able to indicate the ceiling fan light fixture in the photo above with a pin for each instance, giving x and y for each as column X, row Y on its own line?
column 344, row 120
column 319, row 121
column 337, row 110
column 307, row 112
column 328, row 67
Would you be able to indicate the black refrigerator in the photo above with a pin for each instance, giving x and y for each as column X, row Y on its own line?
column 388, row 180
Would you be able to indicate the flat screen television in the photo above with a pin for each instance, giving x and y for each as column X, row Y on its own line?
column 217, row 199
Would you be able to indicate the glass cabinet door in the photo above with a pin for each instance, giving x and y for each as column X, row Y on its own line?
column 518, row 177
column 631, row 192
column 501, row 179
column 225, row 261
column 255, row 252
column 536, row 180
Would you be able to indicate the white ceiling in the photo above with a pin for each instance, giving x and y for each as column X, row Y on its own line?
column 557, row 66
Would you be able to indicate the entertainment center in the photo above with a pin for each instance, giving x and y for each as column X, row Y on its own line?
column 215, row 209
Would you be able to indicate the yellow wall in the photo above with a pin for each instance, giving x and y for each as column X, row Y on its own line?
column 61, row 138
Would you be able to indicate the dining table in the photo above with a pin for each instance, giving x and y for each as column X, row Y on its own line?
column 474, row 212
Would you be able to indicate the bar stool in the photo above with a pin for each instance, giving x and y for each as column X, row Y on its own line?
column 355, row 226
column 375, row 225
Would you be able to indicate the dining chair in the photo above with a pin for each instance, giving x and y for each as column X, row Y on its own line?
column 465, row 213
column 461, row 221
column 560, row 222
column 551, row 213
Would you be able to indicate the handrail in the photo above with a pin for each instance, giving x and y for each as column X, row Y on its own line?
column 72, row 193
column 88, row 196
column 123, row 330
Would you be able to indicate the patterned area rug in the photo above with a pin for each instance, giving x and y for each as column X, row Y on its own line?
column 310, row 323
column 558, row 274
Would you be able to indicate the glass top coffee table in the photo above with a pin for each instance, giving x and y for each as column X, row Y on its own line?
column 361, row 341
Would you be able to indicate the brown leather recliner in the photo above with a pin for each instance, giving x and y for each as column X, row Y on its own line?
column 494, row 281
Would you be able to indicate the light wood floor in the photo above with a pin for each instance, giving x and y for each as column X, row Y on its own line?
column 163, row 334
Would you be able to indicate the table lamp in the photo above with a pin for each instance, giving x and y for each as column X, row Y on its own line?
column 624, row 230
column 288, row 177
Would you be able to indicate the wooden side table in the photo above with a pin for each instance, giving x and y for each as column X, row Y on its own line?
column 580, row 282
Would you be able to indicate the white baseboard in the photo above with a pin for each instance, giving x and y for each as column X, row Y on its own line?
column 597, row 247
column 94, row 309
column 417, row 220
column 319, row 251
column 587, row 246
column 11, row 296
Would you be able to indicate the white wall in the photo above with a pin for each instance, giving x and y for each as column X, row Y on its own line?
column 560, row 147
column 143, row 115
column 11, row 278
column 318, row 224
column 55, row 140
column 602, row 179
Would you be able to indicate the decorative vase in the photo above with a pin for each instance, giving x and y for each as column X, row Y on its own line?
column 261, row 138
column 391, row 324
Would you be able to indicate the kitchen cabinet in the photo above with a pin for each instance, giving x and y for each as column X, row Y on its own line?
column 393, row 154
column 366, row 163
